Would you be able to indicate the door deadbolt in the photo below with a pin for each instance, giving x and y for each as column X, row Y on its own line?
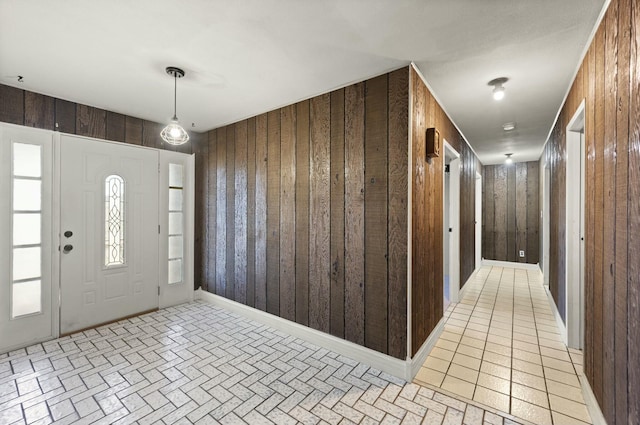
column 67, row 248
column 68, row 234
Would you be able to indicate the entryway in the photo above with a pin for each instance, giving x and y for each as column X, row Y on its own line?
column 97, row 231
column 451, row 237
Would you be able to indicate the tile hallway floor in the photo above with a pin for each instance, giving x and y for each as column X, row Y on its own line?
column 501, row 347
column 197, row 363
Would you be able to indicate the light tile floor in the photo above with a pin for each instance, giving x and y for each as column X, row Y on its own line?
column 196, row 363
column 501, row 347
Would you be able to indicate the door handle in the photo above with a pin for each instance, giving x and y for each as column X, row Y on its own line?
column 68, row 234
column 67, row 249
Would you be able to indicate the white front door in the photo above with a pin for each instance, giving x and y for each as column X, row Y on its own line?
column 109, row 232
column 25, row 236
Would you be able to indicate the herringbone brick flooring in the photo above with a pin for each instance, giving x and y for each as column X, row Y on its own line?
column 197, row 363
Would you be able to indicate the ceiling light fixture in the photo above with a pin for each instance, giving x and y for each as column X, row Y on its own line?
column 508, row 160
column 498, row 88
column 509, row 126
column 173, row 133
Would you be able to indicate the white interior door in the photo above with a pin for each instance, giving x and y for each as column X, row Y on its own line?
column 109, row 232
column 26, row 309
column 176, row 223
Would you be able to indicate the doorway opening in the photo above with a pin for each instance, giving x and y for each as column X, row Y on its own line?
column 575, row 192
column 451, row 231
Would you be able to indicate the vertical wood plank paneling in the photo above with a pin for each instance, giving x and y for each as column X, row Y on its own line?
column 375, row 220
column 589, row 212
column 622, row 186
column 261, row 212
column 510, row 212
column 251, row 212
column 133, row 131
column 39, row 111
column 221, row 210
column 608, row 273
column 288, row 213
column 12, row 105
column 633, row 199
column 201, row 149
column 532, row 199
column 240, row 213
column 302, row 212
column 65, row 116
column 151, row 135
column 599, row 218
column 500, row 197
column 419, row 207
column 319, row 233
column 115, row 127
column 521, row 207
column 397, row 221
column 91, row 122
column 510, row 206
column 337, row 213
column 488, row 218
column 273, row 212
column 354, row 213
column 212, row 201
column 230, row 210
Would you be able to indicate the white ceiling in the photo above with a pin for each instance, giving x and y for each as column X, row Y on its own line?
column 245, row 57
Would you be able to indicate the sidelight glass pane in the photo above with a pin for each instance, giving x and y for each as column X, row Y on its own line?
column 175, row 271
column 114, row 220
column 26, row 229
column 175, row 247
column 175, row 199
column 175, row 223
column 27, row 298
column 175, row 175
column 26, row 160
column 27, row 195
column 26, row 263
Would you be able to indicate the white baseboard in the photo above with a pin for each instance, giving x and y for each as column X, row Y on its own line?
column 597, row 418
column 421, row 356
column 391, row 365
column 556, row 314
column 510, row 264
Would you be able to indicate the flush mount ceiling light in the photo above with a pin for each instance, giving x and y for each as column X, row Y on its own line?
column 498, row 88
column 509, row 126
column 173, row 133
column 508, row 160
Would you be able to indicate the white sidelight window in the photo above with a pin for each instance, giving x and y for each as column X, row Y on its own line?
column 176, row 224
column 26, row 271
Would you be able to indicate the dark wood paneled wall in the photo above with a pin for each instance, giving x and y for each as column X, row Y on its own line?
column 31, row 109
column 510, row 217
column 609, row 82
column 306, row 212
column 427, row 211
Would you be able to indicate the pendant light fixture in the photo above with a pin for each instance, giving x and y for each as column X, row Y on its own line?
column 173, row 133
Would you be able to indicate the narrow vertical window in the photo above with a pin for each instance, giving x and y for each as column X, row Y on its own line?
column 114, row 221
column 26, row 271
column 176, row 217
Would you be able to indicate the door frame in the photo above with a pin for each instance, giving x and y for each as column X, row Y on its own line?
column 546, row 204
column 478, row 222
column 454, row 221
column 574, row 217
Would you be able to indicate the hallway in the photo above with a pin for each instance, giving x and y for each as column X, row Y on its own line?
column 501, row 347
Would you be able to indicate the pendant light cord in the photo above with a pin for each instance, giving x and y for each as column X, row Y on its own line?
column 175, row 96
